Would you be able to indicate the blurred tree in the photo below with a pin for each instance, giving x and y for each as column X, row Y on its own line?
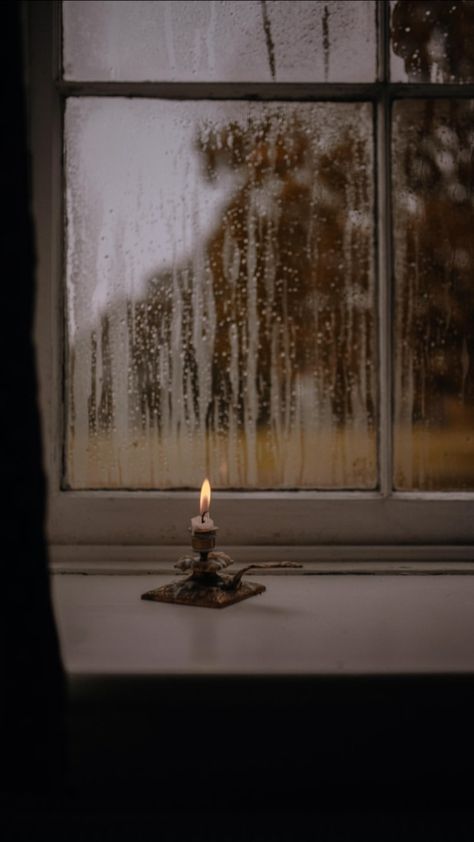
column 290, row 276
column 435, row 39
column 434, row 148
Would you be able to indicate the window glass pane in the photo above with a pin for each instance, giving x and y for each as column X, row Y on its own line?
column 289, row 41
column 432, row 41
column 220, row 292
column 433, row 145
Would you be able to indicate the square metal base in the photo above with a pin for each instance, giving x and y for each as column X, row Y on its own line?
column 191, row 593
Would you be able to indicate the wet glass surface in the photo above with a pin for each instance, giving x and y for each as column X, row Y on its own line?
column 433, row 184
column 247, row 41
column 432, row 41
column 220, row 295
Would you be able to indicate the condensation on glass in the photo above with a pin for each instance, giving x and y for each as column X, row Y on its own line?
column 220, row 41
column 433, row 190
column 432, row 41
column 220, row 295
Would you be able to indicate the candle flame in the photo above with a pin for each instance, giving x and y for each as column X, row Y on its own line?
column 205, row 501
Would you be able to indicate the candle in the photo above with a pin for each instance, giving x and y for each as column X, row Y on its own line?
column 203, row 522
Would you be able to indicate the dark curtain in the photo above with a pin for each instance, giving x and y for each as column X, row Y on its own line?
column 33, row 683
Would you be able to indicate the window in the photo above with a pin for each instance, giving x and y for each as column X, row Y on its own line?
column 265, row 271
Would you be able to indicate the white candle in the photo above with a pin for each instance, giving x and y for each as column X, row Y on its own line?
column 203, row 522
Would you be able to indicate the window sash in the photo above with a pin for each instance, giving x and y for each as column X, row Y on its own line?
column 319, row 518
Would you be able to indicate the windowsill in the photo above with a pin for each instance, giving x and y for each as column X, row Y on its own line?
column 341, row 688
column 327, row 625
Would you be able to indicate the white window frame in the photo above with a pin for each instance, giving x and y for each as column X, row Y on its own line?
column 318, row 524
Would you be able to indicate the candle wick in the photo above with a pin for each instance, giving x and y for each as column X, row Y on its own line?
column 203, row 516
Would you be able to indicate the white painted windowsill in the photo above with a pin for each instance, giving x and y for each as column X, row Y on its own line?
column 302, row 625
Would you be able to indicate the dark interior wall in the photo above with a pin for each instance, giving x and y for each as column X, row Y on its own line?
column 33, row 681
column 297, row 742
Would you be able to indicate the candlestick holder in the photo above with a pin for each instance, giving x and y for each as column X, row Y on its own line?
column 206, row 585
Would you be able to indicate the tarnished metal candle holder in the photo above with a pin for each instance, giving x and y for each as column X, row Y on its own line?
column 206, row 584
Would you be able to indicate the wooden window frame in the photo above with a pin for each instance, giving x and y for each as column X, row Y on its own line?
column 375, row 524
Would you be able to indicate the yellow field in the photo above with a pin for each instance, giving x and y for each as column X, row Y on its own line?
column 329, row 459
